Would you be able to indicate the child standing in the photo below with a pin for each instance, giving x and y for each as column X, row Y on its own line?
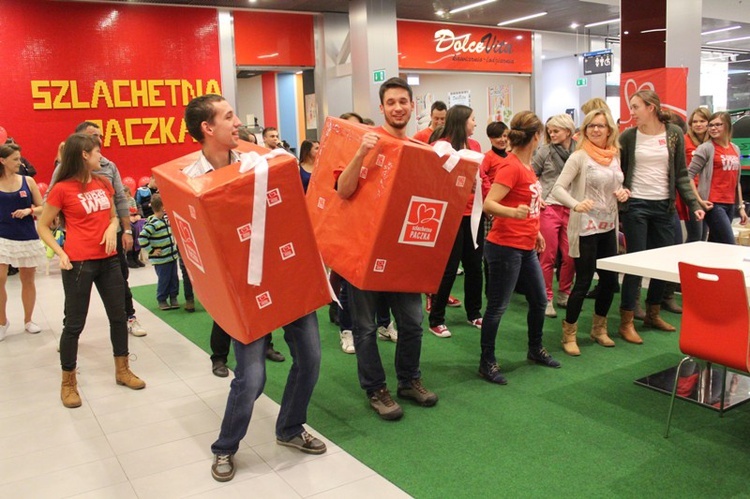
column 157, row 239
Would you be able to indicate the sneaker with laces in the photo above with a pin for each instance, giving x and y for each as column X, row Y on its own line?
column 304, row 442
column 135, row 328
column 550, row 310
column 387, row 408
column 31, row 327
column 4, row 330
column 543, row 358
column 347, row 341
column 477, row 323
column 441, row 331
column 223, row 468
column 491, row 372
column 453, row 302
column 416, row 391
column 389, row 333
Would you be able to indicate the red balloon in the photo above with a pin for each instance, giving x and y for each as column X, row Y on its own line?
column 3, row 135
column 42, row 188
column 143, row 181
column 130, row 183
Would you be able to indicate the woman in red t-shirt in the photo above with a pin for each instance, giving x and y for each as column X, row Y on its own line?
column 459, row 127
column 717, row 165
column 696, row 135
column 512, row 245
column 85, row 201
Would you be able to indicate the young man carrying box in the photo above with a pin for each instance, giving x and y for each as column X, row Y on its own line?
column 397, row 105
column 211, row 121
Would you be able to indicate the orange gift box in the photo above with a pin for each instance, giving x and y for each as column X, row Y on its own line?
column 211, row 219
column 397, row 231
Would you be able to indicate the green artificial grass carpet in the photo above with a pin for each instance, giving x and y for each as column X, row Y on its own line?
column 584, row 430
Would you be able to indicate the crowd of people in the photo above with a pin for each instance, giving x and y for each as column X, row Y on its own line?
column 555, row 199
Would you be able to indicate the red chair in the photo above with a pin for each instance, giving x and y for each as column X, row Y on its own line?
column 715, row 322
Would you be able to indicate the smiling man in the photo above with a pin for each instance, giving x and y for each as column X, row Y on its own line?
column 397, row 105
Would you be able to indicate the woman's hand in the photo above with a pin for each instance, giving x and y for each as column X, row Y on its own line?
column 540, row 244
column 109, row 240
column 707, row 205
column 65, row 262
column 584, row 206
column 21, row 213
column 522, row 211
column 743, row 215
column 700, row 214
column 622, row 195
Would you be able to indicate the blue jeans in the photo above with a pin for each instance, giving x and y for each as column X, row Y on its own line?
column 303, row 339
column 647, row 225
column 106, row 274
column 407, row 310
column 508, row 266
column 167, row 284
column 719, row 221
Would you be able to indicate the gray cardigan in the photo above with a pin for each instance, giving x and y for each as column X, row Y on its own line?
column 545, row 168
column 702, row 166
column 570, row 189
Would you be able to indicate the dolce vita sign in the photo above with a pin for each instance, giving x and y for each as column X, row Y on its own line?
column 463, row 48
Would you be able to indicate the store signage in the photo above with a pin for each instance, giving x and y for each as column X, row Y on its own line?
column 273, row 39
column 669, row 83
column 597, row 62
column 378, row 76
column 582, row 82
column 455, row 47
column 130, row 69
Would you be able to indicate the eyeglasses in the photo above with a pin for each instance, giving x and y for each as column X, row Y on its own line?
column 596, row 126
column 715, row 125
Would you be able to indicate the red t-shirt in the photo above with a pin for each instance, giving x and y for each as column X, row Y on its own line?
column 724, row 177
column 380, row 131
column 87, row 212
column 424, row 135
column 524, row 189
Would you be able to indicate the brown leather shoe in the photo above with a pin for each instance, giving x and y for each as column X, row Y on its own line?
column 569, row 339
column 69, row 390
column 655, row 321
column 599, row 331
column 627, row 329
column 124, row 376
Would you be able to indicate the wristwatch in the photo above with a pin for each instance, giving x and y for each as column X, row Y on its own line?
column 129, row 232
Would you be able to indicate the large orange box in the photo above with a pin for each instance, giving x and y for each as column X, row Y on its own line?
column 211, row 218
column 397, row 231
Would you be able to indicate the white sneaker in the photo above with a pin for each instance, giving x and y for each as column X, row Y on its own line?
column 135, row 328
column 347, row 341
column 32, row 328
column 550, row 311
column 4, row 330
column 388, row 334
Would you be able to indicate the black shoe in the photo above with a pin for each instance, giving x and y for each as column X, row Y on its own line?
column 219, row 368
column 140, row 263
column 274, row 356
column 491, row 372
column 333, row 313
column 164, row 306
column 12, row 270
column 543, row 358
column 132, row 264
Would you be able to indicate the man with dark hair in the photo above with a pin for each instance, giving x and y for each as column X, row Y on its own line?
column 125, row 242
column 271, row 138
column 438, row 112
column 396, row 104
column 217, row 131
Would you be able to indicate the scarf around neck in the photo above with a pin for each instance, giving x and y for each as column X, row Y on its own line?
column 601, row 156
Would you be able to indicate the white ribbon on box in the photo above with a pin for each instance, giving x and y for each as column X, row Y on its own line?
column 444, row 148
column 254, row 161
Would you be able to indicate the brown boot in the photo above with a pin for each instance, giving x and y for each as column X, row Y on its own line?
column 69, row 390
column 569, row 339
column 654, row 320
column 599, row 331
column 124, row 376
column 627, row 329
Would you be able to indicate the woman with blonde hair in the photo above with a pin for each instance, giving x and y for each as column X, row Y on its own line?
column 652, row 157
column 590, row 185
column 20, row 247
column 548, row 162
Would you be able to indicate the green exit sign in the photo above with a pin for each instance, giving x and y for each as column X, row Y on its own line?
column 582, row 82
column 378, row 76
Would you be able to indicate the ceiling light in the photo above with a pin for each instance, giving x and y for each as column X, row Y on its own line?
column 519, row 37
column 602, row 23
column 729, row 40
column 730, row 28
column 470, row 6
column 653, row 30
column 574, row 25
column 524, row 18
column 440, row 13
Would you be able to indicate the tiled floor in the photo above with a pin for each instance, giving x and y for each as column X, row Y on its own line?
column 149, row 443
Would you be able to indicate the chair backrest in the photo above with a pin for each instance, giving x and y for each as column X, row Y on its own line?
column 715, row 317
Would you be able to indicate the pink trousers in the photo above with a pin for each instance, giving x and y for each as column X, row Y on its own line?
column 554, row 228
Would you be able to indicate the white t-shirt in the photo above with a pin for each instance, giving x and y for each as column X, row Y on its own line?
column 651, row 174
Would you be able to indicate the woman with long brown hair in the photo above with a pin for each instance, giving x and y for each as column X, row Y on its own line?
column 90, row 258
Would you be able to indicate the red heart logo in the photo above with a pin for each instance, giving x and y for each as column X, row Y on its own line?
column 425, row 214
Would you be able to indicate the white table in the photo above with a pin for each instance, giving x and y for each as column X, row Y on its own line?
column 661, row 264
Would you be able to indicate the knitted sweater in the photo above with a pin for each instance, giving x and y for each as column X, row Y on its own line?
column 157, row 234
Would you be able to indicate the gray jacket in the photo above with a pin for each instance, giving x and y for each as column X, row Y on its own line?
column 702, row 166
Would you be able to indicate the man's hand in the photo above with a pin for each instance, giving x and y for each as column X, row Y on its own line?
column 127, row 241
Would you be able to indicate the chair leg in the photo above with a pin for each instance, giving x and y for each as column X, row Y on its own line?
column 723, row 391
column 674, row 392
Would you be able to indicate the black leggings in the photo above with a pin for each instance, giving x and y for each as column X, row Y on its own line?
column 591, row 248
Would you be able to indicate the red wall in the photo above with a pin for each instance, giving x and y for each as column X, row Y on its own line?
column 132, row 68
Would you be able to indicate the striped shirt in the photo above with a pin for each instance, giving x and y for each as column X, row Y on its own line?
column 157, row 234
